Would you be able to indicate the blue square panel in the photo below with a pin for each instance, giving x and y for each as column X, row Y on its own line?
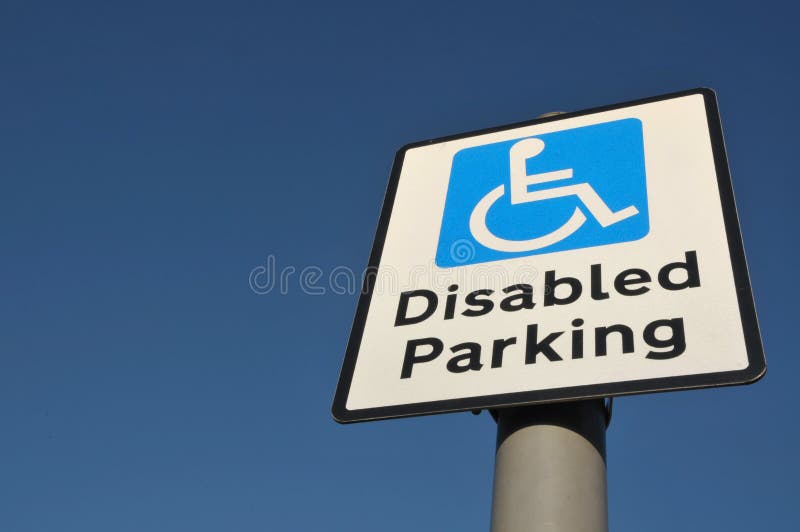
column 571, row 189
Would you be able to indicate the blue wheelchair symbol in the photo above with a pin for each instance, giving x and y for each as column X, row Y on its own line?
column 570, row 189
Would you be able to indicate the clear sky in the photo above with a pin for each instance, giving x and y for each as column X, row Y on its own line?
column 153, row 153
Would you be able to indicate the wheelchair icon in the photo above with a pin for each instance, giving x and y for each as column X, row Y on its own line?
column 520, row 181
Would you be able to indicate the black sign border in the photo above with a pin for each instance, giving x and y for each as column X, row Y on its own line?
column 755, row 352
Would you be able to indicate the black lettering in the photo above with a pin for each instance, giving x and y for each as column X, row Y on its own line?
column 402, row 308
column 523, row 300
column 498, row 347
column 534, row 347
column 601, row 334
column 550, row 284
column 577, row 339
column 472, row 357
column 628, row 278
column 690, row 267
column 486, row 305
column 411, row 357
column 597, row 283
column 676, row 341
column 450, row 303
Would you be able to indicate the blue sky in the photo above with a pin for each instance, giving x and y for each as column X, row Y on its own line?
column 153, row 153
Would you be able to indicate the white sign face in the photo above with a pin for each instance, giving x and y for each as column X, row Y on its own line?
column 584, row 255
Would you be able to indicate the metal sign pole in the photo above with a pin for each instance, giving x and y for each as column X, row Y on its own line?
column 550, row 468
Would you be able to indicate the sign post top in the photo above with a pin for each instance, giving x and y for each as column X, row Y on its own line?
column 581, row 255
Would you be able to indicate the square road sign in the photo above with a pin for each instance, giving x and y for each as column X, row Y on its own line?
column 583, row 255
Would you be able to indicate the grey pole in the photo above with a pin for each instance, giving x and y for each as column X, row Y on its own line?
column 550, row 469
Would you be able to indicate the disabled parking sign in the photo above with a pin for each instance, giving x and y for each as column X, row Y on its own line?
column 584, row 255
